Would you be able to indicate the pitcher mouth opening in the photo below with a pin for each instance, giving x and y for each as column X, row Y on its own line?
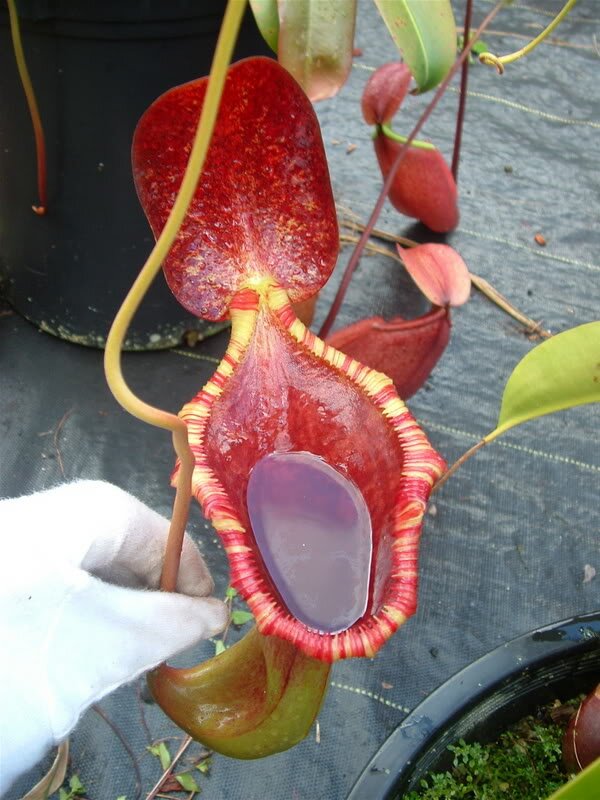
column 313, row 531
column 280, row 390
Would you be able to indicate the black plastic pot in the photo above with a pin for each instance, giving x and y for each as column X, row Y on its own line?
column 96, row 66
column 481, row 701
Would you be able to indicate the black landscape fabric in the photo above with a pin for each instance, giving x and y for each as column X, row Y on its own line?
column 506, row 542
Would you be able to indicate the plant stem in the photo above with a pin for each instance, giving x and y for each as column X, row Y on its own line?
column 355, row 257
column 126, row 746
column 112, row 357
column 458, row 463
column 462, row 101
column 499, row 61
column 38, row 129
column 471, row 452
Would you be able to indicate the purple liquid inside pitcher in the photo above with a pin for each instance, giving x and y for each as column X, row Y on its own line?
column 313, row 530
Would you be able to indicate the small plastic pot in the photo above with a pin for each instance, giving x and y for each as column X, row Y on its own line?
column 482, row 700
column 95, row 66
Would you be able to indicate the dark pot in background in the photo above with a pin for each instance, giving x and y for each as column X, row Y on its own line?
column 480, row 702
column 95, row 66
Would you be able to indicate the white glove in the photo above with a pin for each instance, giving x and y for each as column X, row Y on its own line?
column 68, row 635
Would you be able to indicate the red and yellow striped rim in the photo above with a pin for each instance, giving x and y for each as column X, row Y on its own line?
column 420, row 469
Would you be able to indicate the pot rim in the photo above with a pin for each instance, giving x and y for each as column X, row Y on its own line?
column 519, row 658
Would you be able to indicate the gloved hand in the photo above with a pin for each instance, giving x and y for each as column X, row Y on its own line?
column 72, row 628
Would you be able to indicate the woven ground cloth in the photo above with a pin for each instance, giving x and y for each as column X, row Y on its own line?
column 506, row 542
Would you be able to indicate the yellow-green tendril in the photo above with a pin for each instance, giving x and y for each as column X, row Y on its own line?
column 112, row 357
column 499, row 61
column 418, row 143
column 38, row 130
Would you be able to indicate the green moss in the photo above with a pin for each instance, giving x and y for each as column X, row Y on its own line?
column 524, row 764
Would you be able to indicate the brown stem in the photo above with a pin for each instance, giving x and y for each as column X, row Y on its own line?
column 451, row 470
column 181, row 508
column 462, row 101
column 119, row 734
column 358, row 251
column 38, row 129
column 143, row 719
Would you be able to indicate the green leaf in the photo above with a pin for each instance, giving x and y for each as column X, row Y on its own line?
column 76, row 785
column 230, row 593
column 267, row 18
column 161, row 751
column 477, row 48
column 583, row 786
column 480, row 47
column 187, row 782
column 316, row 41
column 425, row 34
column 121, row 797
column 241, row 617
column 62, row 795
column 204, row 766
column 561, row 373
column 219, row 647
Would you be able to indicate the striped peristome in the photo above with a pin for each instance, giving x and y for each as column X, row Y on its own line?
column 421, row 466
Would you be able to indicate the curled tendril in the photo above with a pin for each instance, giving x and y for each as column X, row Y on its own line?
column 490, row 60
column 112, row 355
column 499, row 61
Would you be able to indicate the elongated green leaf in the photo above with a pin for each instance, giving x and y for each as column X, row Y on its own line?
column 267, row 18
column 187, row 782
column 425, row 33
column 561, row 373
column 241, row 617
column 584, row 786
column 315, row 43
column 161, row 751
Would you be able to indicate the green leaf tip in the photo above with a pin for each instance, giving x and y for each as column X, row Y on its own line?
column 266, row 15
column 560, row 373
column 425, row 34
column 241, row 617
column 161, row 751
column 582, row 787
column 187, row 782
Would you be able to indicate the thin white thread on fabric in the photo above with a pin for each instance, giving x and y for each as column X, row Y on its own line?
column 539, row 253
column 492, row 98
column 543, row 12
column 371, row 695
column 538, row 112
column 197, row 356
column 436, row 426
